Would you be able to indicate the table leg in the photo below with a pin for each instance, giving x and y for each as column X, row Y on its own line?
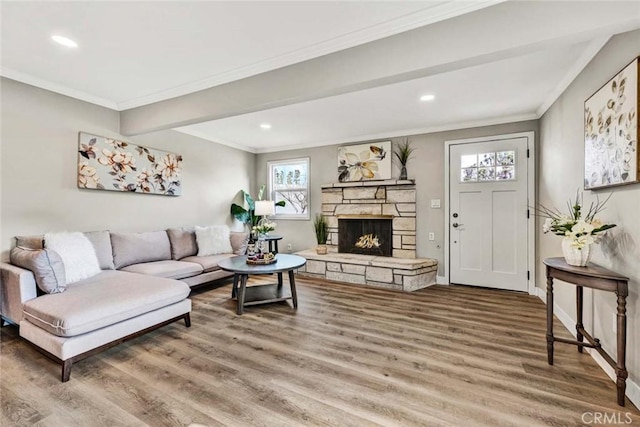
column 294, row 294
column 280, row 281
column 579, row 325
column 275, row 244
column 241, row 293
column 621, row 370
column 549, row 319
column 234, row 289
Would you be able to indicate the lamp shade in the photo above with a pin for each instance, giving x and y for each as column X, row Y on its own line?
column 265, row 207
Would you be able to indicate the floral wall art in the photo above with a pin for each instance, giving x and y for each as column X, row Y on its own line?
column 364, row 161
column 109, row 164
column 611, row 132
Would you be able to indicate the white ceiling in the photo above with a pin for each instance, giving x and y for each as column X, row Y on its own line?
column 136, row 53
column 503, row 91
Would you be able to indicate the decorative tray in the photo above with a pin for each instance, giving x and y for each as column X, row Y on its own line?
column 256, row 261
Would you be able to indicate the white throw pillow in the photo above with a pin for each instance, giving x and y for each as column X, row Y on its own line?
column 77, row 253
column 213, row 240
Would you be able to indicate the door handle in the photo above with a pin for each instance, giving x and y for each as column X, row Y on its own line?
column 456, row 225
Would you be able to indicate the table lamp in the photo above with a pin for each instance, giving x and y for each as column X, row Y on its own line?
column 264, row 208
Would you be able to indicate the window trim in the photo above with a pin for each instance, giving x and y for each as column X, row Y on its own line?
column 270, row 164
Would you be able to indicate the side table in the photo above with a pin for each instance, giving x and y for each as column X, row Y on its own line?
column 272, row 239
column 595, row 277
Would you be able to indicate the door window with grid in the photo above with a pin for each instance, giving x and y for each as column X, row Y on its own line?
column 483, row 167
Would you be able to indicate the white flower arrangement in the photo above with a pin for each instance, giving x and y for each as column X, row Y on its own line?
column 263, row 227
column 581, row 231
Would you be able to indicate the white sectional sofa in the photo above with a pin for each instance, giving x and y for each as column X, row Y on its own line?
column 144, row 283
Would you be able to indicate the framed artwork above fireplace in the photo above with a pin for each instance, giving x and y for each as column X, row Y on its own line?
column 364, row 161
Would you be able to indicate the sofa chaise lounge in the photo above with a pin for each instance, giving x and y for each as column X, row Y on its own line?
column 143, row 284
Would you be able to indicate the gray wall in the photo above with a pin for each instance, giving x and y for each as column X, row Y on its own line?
column 561, row 173
column 427, row 168
column 39, row 164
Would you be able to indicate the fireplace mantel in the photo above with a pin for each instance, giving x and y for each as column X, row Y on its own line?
column 346, row 216
column 370, row 183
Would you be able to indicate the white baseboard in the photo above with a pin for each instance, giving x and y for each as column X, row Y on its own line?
column 633, row 389
column 440, row 280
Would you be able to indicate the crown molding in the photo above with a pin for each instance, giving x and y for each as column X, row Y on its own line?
column 392, row 27
column 589, row 53
column 364, row 138
column 405, row 132
column 57, row 88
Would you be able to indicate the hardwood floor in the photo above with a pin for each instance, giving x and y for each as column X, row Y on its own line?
column 350, row 356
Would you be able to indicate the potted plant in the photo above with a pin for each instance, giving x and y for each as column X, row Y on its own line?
column 578, row 228
column 403, row 152
column 321, row 226
column 247, row 215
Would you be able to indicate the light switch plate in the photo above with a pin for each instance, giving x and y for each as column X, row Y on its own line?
column 435, row 203
column 432, row 236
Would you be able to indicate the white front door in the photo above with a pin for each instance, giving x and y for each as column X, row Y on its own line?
column 488, row 213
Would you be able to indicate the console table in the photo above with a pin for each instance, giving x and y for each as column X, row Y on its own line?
column 596, row 277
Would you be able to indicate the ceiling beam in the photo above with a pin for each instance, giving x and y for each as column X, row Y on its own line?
column 491, row 34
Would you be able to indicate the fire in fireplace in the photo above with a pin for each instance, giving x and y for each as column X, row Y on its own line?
column 368, row 241
column 365, row 234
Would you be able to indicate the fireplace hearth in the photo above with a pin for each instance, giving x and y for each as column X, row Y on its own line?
column 365, row 234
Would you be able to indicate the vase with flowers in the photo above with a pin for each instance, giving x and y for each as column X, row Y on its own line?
column 261, row 230
column 263, row 227
column 579, row 229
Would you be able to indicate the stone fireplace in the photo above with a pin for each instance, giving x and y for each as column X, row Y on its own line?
column 393, row 200
column 365, row 234
column 363, row 217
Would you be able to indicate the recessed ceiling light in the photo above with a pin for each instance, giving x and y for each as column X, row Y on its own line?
column 265, row 126
column 64, row 41
column 427, row 97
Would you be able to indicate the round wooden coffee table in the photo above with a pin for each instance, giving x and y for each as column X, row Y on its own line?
column 262, row 294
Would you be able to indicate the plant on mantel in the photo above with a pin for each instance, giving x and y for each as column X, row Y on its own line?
column 403, row 153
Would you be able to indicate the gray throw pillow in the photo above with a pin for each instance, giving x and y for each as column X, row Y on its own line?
column 183, row 242
column 134, row 248
column 30, row 242
column 101, row 241
column 46, row 265
column 239, row 242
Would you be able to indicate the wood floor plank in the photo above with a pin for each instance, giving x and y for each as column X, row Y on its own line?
column 75, row 402
column 349, row 356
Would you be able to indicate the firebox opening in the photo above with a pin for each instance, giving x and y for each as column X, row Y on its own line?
column 368, row 235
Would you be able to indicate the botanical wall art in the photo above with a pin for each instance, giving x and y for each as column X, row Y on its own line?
column 611, row 132
column 109, row 164
column 364, row 161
